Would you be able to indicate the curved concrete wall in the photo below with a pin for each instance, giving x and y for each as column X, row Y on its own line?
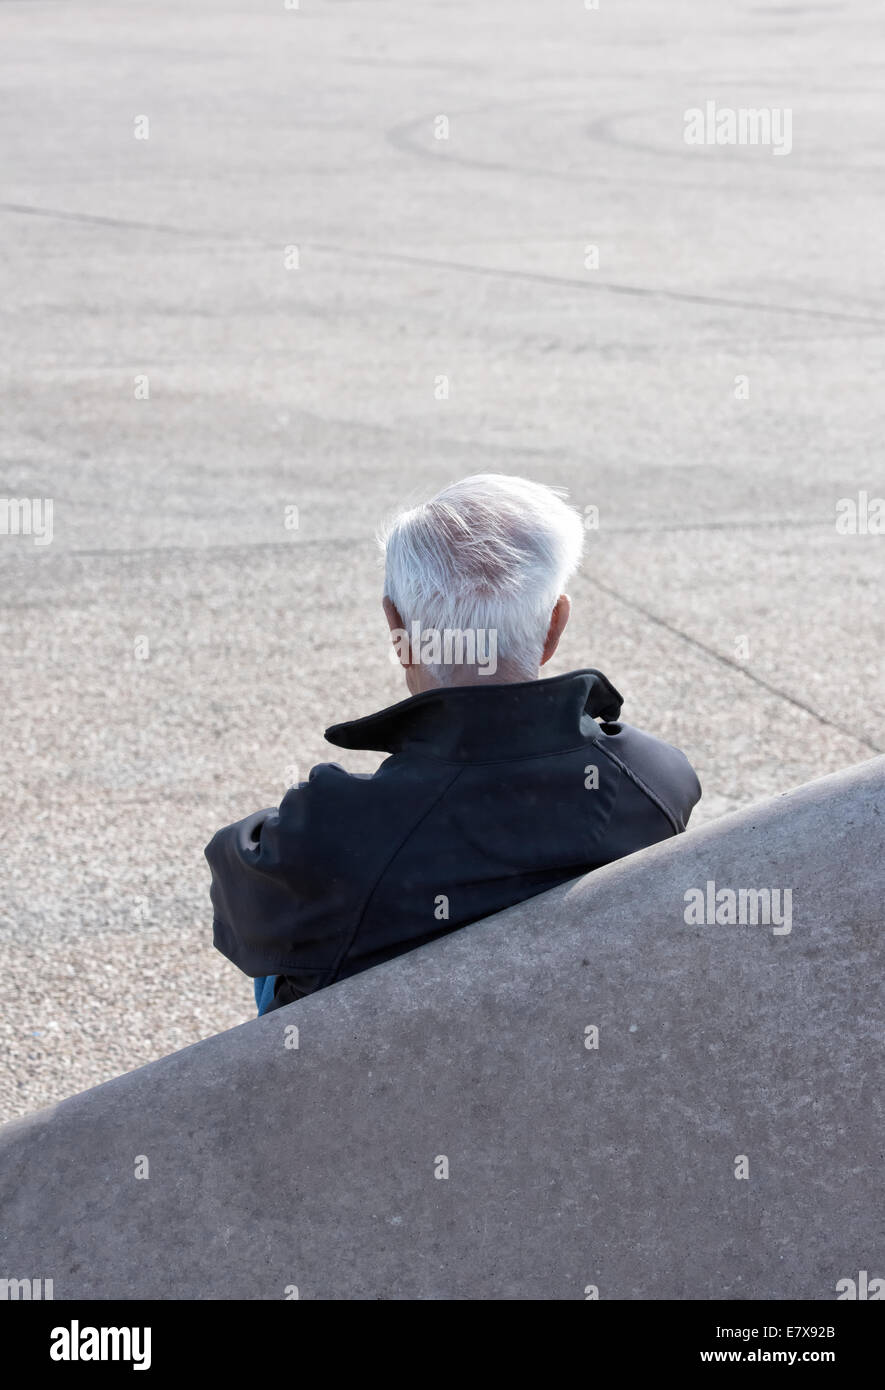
column 571, row 1167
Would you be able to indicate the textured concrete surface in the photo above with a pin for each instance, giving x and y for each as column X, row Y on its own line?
column 315, row 388
column 614, row 1166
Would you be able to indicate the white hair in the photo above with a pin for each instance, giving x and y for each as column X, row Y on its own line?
column 490, row 553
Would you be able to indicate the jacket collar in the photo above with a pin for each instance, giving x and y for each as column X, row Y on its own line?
column 485, row 722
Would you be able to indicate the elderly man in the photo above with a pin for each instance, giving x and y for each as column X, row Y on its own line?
column 497, row 785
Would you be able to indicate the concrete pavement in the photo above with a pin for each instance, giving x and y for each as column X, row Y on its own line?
column 176, row 651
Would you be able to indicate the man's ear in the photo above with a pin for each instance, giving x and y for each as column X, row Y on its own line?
column 391, row 613
column 397, row 630
column 558, row 619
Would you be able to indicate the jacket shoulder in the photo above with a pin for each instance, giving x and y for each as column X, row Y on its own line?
column 661, row 770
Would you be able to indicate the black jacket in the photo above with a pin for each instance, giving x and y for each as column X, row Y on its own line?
column 491, row 794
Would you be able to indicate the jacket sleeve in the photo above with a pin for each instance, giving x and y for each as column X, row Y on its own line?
column 282, row 895
column 253, row 899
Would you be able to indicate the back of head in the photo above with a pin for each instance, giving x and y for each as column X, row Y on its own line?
column 488, row 554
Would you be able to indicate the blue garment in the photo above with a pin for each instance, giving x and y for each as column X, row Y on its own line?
column 264, row 987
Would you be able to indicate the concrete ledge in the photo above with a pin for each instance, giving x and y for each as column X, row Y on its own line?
column 271, row 1166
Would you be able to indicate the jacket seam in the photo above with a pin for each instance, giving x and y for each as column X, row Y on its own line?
column 377, row 883
column 652, row 796
column 493, row 762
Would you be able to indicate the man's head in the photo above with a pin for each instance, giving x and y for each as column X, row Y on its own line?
column 474, row 581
